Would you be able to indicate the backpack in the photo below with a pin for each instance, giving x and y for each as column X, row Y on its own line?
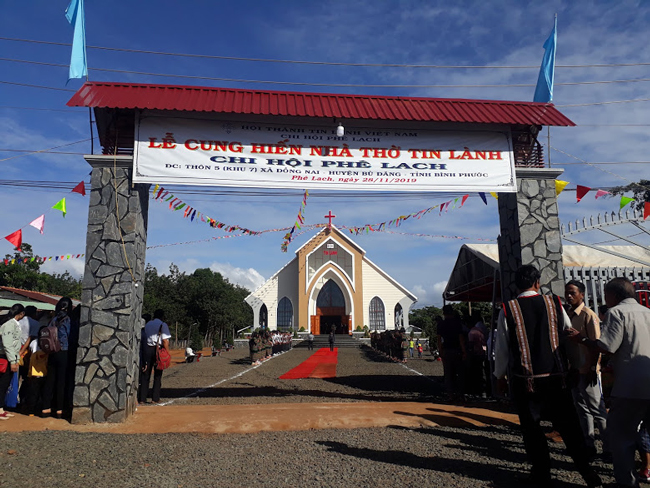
column 48, row 338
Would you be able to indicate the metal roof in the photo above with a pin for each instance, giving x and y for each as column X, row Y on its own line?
column 298, row 104
column 37, row 296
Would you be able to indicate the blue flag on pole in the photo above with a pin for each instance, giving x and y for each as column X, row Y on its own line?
column 75, row 15
column 544, row 89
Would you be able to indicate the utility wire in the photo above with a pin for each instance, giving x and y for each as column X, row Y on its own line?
column 37, row 86
column 340, row 85
column 324, row 63
column 604, row 103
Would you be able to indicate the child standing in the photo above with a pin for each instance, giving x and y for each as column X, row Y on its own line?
column 35, row 377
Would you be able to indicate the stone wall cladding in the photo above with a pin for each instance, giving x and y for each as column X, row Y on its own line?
column 108, row 357
column 530, row 231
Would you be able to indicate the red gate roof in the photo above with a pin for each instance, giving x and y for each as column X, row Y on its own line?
column 298, row 104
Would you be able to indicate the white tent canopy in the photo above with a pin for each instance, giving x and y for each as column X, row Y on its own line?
column 475, row 276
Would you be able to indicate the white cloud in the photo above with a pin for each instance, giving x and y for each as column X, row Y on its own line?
column 430, row 294
column 248, row 278
column 74, row 266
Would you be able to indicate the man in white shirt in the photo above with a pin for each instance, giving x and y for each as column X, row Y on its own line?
column 625, row 333
column 157, row 335
column 530, row 351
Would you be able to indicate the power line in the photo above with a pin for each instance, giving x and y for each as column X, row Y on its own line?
column 605, row 103
column 42, row 152
column 41, row 109
column 45, row 150
column 36, row 86
column 324, row 63
column 339, row 85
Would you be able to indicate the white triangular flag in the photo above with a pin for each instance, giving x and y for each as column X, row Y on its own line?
column 38, row 223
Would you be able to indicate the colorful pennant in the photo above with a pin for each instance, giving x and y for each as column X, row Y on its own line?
column 417, row 215
column 16, row 238
column 300, row 219
column 482, row 195
column 41, row 260
column 581, row 191
column 559, row 186
column 60, row 205
column 38, row 223
column 646, row 210
column 175, row 204
column 624, row 201
column 601, row 193
column 80, row 188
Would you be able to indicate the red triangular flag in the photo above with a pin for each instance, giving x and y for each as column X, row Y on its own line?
column 581, row 191
column 80, row 188
column 646, row 210
column 462, row 202
column 16, row 238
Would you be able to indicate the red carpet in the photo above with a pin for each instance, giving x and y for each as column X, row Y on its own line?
column 321, row 364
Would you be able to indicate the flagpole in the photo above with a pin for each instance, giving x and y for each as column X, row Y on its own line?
column 548, row 134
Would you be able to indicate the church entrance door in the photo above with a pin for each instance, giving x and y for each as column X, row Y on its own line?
column 330, row 310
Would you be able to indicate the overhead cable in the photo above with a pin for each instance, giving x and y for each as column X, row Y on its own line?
column 339, row 85
column 325, row 63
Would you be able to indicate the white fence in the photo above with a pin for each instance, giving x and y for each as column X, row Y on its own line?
column 596, row 278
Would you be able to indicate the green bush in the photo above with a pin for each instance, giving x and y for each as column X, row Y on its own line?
column 359, row 329
column 302, row 329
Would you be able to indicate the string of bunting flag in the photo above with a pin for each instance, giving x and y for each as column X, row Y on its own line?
column 581, row 191
column 176, row 204
column 40, row 259
column 300, row 220
column 16, row 238
column 416, row 215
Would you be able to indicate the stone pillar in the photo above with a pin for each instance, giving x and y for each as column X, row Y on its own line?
column 530, row 231
column 107, row 372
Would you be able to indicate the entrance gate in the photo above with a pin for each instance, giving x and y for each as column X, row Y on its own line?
column 106, row 376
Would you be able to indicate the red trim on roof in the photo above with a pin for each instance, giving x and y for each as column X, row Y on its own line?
column 298, row 104
column 37, row 295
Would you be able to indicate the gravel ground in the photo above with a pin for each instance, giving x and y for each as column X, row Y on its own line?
column 450, row 457
column 442, row 456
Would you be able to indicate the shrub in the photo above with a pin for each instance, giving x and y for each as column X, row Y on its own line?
column 302, row 329
column 358, row 329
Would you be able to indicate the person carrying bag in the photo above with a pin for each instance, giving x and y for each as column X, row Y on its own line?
column 155, row 357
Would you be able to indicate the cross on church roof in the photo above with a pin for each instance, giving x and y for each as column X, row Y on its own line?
column 330, row 217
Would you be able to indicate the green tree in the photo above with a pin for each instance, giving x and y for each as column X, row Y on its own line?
column 25, row 273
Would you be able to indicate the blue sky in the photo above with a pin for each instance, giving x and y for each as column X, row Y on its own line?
column 405, row 32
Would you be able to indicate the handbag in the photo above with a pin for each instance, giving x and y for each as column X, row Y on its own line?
column 4, row 364
column 163, row 358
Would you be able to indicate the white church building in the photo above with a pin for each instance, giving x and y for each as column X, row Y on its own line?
column 331, row 284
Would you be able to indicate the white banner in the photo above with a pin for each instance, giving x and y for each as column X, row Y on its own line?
column 243, row 154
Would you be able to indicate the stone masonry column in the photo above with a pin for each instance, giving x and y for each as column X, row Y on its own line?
column 530, row 231
column 107, row 372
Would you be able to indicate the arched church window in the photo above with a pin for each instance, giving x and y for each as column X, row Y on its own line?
column 264, row 317
column 285, row 314
column 377, row 314
column 399, row 316
column 330, row 296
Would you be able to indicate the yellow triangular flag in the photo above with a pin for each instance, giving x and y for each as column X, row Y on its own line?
column 559, row 186
column 494, row 195
column 60, row 205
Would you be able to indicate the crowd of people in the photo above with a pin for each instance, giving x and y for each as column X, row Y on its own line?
column 264, row 343
column 549, row 356
column 37, row 360
column 463, row 347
